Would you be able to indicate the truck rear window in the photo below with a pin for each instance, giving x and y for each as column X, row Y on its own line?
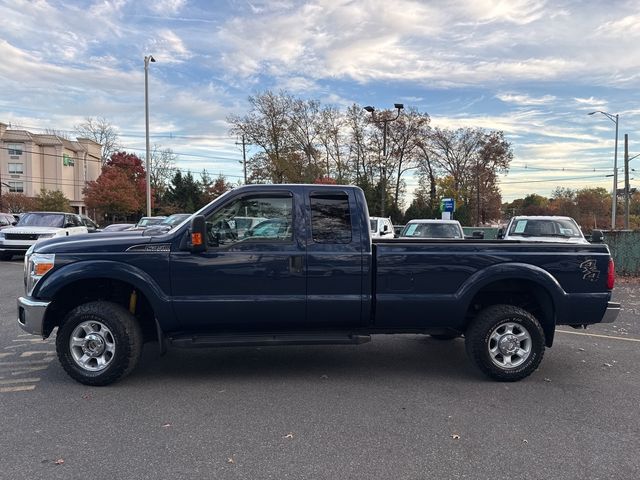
column 330, row 218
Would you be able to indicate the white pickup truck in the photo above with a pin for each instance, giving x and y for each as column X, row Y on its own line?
column 36, row 226
column 542, row 228
column 381, row 227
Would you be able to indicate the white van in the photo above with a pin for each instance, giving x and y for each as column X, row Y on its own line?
column 381, row 227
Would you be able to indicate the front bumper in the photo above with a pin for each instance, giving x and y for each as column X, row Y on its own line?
column 611, row 313
column 31, row 314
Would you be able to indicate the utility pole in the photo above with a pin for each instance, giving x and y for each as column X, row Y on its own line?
column 626, row 181
column 244, row 158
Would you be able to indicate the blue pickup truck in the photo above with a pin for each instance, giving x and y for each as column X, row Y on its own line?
column 305, row 272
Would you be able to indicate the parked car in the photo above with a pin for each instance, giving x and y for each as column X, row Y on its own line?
column 118, row 227
column 273, row 229
column 36, row 226
column 242, row 224
column 92, row 227
column 146, row 222
column 167, row 224
column 7, row 220
column 381, row 227
column 326, row 283
column 540, row 228
column 433, row 229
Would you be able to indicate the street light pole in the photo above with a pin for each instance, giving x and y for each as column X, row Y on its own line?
column 614, row 201
column 147, row 59
column 383, row 173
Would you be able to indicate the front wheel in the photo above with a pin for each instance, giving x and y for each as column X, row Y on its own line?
column 505, row 342
column 99, row 343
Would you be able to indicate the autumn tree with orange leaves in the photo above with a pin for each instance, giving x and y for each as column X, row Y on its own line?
column 119, row 191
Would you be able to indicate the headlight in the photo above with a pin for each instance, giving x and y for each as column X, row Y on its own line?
column 46, row 235
column 1, row 235
column 36, row 266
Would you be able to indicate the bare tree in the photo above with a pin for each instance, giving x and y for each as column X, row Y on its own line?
column 267, row 126
column 304, row 121
column 101, row 131
column 163, row 165
column 332, row 139
column 57, row 133
column 404, row 136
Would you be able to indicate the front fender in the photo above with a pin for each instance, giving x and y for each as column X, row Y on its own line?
column 51, row 284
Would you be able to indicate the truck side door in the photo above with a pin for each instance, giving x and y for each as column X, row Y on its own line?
column 252, row 279
column 334, row 259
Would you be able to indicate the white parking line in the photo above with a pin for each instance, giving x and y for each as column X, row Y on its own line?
column 46, row 353
column 600, row 336
column 20, row 371
column 22, row 388
column 19, row 380
column 43, row 361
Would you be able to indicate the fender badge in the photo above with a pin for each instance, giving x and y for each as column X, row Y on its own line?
column 590, row 270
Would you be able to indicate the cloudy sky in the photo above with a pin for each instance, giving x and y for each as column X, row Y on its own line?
column 533, row 69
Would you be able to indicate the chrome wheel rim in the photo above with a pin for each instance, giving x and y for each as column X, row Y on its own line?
column 509, row 345
column 92, row 346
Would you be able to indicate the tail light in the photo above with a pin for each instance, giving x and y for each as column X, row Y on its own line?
column 611, row 275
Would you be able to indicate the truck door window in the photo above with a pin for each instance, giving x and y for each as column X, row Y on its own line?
column 330, row 218
column 262, row 218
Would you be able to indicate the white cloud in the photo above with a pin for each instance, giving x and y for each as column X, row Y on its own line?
column 163, row 7
column 167, row 47
column 524, row 99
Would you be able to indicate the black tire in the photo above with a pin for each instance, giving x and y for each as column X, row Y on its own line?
column 118, row 327
column 6, row 256
column 492, row 324
column 444, row 336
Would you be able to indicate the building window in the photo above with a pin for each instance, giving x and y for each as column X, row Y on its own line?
column 14, row 148
column 16, row 187
column 16, row 168
column 67, row 160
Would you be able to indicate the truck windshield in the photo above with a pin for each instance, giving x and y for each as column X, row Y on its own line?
column 544, row 228
column 42, row 220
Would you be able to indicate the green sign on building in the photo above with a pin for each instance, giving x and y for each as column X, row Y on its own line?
column 67, row 161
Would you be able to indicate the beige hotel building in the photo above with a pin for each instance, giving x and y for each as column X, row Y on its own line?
column 31, row 162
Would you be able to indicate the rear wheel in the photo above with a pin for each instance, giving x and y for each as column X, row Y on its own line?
column 99, row 343
column 505, row 342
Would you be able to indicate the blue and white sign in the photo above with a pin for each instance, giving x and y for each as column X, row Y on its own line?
column 448, row 205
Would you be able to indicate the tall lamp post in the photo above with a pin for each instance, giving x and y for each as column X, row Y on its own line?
column 384, row 121
column 147, row 59
column 614, row 119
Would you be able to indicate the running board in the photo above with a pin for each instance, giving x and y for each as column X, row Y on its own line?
column 251, row 340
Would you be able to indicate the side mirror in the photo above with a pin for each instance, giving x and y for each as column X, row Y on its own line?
column 597, row 236
column 500, row 233
column 198, row 234
column 385, row 228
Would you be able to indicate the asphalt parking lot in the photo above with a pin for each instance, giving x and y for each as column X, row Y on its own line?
column 402, row 407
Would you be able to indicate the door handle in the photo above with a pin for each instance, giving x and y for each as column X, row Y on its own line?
column 296, row 263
